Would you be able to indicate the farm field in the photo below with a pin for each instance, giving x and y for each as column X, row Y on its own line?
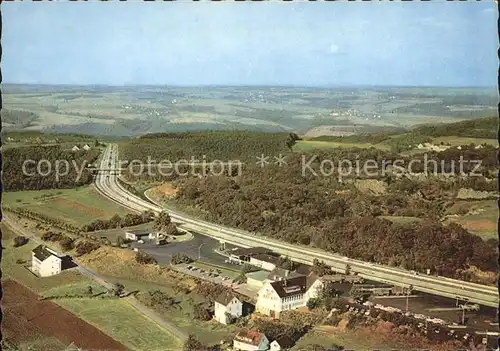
column 480, row 219
column 26, row 320
column 307, row 145
column 77, row 206
column 181, row 314
column 72, row 283
column 359, row 339
column 132, row 111
column 457, row 141
column 143, row 278
column 122, row 322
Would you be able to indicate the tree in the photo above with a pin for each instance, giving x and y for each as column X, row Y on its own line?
column 144, row 258
column 115, row 221
column 90, row 291
column 85, row 247
column 292, row 140
column 67, row 243
column 120, row 240
column 230, row 319
column 193, row 344
column 286, row 263
column 201, row 313
column 312, row 303
column 180, row 258
column 20, row 241
column 171, row 229
column 162, row 222
column 118, row 289
column 320, row 268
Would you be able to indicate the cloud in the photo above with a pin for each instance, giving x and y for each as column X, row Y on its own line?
column 333, row 49
column 489, row 10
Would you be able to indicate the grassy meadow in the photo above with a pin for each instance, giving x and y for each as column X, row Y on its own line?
column 77, row 206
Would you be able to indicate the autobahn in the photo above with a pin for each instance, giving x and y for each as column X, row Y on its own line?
column 109, row 186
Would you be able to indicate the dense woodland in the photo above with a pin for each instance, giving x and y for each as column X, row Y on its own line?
column 314, row 213
column 223, row 146
column 15, row 179
column 324, row 212
column 473, row 128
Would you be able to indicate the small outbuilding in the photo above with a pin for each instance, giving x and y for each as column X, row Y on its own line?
column 137, row 234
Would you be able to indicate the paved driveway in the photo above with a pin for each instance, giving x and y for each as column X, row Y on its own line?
column 200, row 246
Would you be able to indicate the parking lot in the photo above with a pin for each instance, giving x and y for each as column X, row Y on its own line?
column 201, row 248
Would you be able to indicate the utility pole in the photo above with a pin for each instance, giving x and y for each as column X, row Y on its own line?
column 199, row 251
column 407, row 295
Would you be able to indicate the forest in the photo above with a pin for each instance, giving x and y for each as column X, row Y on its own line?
column 474, row 128
column 46, row 177
column 310, row 214
column 223, row 146
column 334, row 215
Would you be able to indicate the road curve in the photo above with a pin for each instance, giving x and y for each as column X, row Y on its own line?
column 108, row 185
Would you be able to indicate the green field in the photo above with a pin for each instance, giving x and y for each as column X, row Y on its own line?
column 18, row 272
column 181, row 316
column 45, row 343
column 457, row 141
column 349, row 340
column 481, row 218
column 122, row 322
column 75, row 289
column 307, row 145
column 77, row 206
column 114, row 317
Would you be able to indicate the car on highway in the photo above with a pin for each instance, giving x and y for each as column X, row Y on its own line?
column 140, row 241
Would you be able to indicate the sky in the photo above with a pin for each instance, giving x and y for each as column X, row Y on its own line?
column 260, row 43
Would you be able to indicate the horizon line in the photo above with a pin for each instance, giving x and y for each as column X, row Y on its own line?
column 322, row 86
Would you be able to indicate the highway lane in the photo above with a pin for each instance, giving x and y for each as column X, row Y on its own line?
column 486, row 295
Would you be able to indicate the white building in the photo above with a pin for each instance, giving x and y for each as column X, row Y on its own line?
column 137, row 234
column 45, row 262
column 287, row 294
column 86, row 147
column 75, row 148
column 281, row 344
column 250, row 341
column 265, row 261
column 257, row 279
column 243, row 255
column 225, row 305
